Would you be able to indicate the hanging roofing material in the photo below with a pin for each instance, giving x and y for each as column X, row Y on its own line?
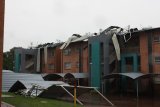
column 83, row 38
column 53, row 77
column 85, row 95
column 68, row 41
column 132, row 75
column 28, row 84
column 116, row 46
column 77, row 75
column 74, row 38
column 10, row 77
column 54, row 89
column 57, row 76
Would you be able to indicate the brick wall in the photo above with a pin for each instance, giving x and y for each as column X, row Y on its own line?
column 144, row 51
column 74, row 56
column 52, row 60
column 156, row 52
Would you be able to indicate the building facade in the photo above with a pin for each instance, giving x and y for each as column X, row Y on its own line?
column 75, row 58
column 50, row 59
column 139, row 53
column 25, row 60
column 44, row 59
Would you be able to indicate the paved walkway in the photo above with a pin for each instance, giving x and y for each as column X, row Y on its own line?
column 7, row 96
column 3, row 104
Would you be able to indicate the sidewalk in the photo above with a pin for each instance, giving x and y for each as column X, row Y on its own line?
column 3, row 104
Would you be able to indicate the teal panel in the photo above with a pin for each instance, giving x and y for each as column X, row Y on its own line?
column 95, row 66
column 135, row 62
column 17, row 62
column 123, row 67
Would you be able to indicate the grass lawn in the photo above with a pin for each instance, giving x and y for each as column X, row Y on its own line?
column 21, row 101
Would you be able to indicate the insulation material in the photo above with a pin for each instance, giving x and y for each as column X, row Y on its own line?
column 38, row 61
column 116, row 46
column 45, row 55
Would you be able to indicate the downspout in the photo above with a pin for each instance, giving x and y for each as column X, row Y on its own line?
column 150, row 63
column 106, row 58
column 81, row 58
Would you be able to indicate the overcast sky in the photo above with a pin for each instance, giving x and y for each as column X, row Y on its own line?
column 41, row 21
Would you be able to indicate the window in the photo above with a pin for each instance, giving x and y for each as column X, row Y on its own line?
column 51, row 52
column 157, row 59
column 67, row 65
column 77, row 64
column 67, row 52
column 50, row 66
column 156, row 38
column 77, row 50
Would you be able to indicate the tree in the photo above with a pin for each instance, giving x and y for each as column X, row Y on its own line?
column 8, row 60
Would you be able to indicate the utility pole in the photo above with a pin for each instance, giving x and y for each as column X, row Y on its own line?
column 75, row 96
column 2, row 4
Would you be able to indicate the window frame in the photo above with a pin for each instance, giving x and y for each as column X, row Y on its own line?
column 157, row 59
column 67, row 66
column 67, row 52
column 51, row 66
column 156, row 39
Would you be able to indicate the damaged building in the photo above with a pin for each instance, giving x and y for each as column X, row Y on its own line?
column 43, row 59
column 116, row 50
column 111, row 53
column 49, row 58
column 75, row 55
column 25, row 60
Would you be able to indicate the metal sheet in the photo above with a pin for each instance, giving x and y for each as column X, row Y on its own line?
column 132, row 75
column 57, row 76
column 74, row 39
column 83, row 38
column 10, row 77
column 116, row 46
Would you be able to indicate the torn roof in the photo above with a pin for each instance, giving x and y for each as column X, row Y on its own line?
column 142, row 30
column 52, row 45
column 74, row 39
column 82, row 38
